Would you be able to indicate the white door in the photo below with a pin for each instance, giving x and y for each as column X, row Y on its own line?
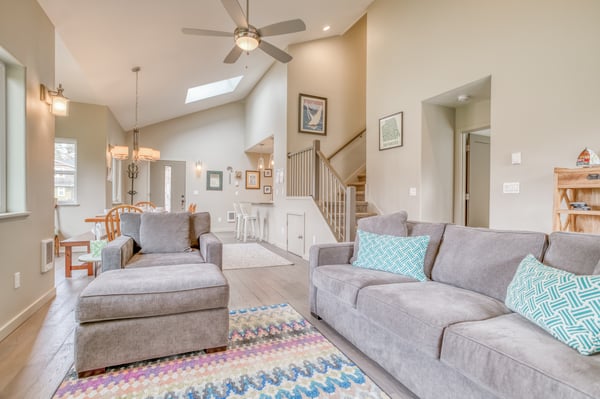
column 167, row 185
column 295, row 233
column 478, row 181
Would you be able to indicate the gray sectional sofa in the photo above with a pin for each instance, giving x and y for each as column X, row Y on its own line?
column 452, row 336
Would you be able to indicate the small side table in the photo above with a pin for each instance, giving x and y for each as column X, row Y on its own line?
column 82, row 240
column 91, row 259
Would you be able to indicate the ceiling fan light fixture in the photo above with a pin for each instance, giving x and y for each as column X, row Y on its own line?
column 247, row 39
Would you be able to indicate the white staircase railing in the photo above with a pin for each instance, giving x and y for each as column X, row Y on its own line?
column 311, row 174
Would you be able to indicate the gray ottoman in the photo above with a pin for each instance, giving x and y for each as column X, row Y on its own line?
column 135, row 314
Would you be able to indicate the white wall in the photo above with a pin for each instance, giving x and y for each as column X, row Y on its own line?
column 93, row 127
column 217, row 138
column 28, row 35
column 544, row 61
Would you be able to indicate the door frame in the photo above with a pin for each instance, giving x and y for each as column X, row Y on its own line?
column 461, row 176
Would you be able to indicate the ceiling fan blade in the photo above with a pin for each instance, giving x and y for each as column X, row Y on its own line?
column 234, row 10
column 233, row 55
column 274, row 52
column 205, row 32
column 281, row 28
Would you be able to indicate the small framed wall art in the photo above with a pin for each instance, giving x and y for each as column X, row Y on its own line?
column 266, row 189
column 312, row 114
column 214, row 180
column 252, row 180
column 390, row 131
column 268, row 173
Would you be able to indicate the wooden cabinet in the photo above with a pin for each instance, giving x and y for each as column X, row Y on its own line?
column 577, row 185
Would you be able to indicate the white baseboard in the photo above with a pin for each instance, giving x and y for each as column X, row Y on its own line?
column 19, row 319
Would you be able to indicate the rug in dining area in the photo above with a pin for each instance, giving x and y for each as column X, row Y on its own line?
column 273, row 352
column 249, row 255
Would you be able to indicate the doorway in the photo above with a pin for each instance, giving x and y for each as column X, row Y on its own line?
column 167, row 185
column 476, row 178
column 295, row 233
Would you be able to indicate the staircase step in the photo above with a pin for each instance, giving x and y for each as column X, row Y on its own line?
column 360, row 195
column 357, row 184
column 362, row 177
column 360, row 215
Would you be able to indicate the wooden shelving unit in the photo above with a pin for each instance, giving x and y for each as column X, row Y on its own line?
column 576, row 185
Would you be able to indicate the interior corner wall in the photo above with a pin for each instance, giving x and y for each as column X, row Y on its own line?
column 333, row 68
column 115, row 135
column 27, row 34
column 216, row 137
column 437, row 175
column 88, row 125
column 542, row 105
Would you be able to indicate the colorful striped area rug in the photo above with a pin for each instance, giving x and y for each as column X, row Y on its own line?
column 273, row 352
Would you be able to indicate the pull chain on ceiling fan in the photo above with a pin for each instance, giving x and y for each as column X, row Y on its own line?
column 247, row 37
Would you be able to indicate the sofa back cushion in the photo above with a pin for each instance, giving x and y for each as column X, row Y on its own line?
column 484, row 260
column 435, row 231
column 393, row 224
column 130, row 226
column 165, row 232
column 574, row 252
column 199, row 224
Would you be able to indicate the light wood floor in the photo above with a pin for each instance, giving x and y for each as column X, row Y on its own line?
column 35, row 358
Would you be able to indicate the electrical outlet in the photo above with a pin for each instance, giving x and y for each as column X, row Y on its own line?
column 511, row 188
column 17, row 279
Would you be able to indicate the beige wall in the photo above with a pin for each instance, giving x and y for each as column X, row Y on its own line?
column 333, row 68
column 93, row 127
column 543, row 59
column 217, row 138
column 28, row 35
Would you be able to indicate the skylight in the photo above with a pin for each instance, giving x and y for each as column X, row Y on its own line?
column 212, row 89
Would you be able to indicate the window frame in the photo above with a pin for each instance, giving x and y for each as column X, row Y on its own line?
column 74, row 173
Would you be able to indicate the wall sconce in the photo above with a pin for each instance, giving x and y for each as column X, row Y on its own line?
column 198, row 168
column 271, row 161
column 261, row 163
column 58, row 103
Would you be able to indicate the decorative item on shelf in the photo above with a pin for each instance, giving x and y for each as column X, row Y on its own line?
column 57, row 102
column 580, row 206
column 390, row 131
column 587, row 158
column 312, row 114
column 252, row 179
column 268, row 173
column 214, row 180
column 229, row 170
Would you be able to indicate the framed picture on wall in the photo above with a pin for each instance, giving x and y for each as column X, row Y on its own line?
column 252, row 180
column 267, row 190
column 312, row 114
column 268, row 172
column 214, row 180
column 390, row 131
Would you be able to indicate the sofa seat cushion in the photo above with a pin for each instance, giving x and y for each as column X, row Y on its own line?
column 515, row 358
column 344, row 281
column 419, row 312
column 147, row 292
column 177, row 258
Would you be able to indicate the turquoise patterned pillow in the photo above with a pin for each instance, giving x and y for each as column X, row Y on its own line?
column 562, row 303
column 400, row 255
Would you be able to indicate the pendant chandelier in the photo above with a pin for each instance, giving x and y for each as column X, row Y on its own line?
column 140, row 153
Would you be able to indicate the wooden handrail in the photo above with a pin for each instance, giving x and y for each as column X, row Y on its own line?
column 291, row 154
column 346, row 144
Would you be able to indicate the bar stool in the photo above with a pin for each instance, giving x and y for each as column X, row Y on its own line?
column 248, row 218
column 238, row 220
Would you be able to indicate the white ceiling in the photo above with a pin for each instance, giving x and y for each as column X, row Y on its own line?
column 98, row 42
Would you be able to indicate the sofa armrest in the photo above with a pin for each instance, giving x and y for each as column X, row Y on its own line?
column 117, row 253
column 326, row 254
column 211, row 249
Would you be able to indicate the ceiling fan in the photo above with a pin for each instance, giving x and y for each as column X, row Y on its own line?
column 247, row 37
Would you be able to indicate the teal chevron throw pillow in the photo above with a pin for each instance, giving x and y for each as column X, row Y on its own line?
column 562, row 303
column 400, row 255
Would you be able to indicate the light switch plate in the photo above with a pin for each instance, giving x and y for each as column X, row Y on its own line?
column 412, row 191
column 516, row 158
column 511, row 188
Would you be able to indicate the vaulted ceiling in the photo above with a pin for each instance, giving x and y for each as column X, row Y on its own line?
column 98, row 43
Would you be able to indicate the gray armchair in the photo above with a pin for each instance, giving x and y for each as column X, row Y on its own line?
column 161, row 239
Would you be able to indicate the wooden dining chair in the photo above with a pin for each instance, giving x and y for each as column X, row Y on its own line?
column 145, row 205
column 113, row 220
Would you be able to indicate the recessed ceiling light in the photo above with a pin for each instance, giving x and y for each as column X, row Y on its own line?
column 326, row 28
column 463, row 98
column 212, row 89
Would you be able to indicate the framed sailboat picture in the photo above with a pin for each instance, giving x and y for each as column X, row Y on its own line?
column 312, row 114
